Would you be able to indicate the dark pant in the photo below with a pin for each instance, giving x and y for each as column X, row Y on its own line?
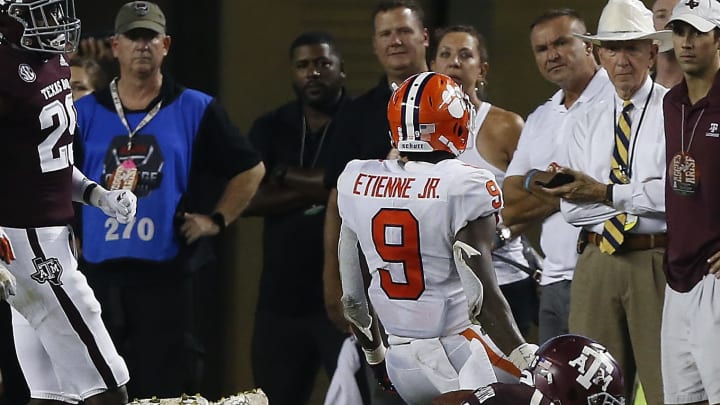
column 523, row 300
column 148, row 310
column 287, row 353
column 15, row 388
column 554, row 310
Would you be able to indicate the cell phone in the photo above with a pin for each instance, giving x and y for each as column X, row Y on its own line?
column 559, row 179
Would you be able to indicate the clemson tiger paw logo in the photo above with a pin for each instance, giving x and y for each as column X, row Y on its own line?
column 453, row 96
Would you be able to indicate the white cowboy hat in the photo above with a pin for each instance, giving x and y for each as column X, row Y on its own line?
column 627, row 20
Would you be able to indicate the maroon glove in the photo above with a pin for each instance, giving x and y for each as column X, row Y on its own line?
column 381, row 376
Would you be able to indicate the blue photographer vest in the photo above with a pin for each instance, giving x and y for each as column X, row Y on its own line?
column 159, row 158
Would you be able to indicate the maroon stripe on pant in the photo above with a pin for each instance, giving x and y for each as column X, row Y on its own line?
column 76, row 320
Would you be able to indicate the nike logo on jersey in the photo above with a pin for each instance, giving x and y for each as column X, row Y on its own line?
column 54, row 89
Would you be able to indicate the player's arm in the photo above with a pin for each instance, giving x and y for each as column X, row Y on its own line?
column 119, row 204
column 357, row 310
column 472, row 250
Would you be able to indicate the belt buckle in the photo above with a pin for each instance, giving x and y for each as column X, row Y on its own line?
column 652, row 241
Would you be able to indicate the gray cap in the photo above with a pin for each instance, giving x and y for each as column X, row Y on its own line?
column 140, row 14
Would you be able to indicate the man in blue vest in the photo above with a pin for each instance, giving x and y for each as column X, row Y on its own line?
column 193, row 174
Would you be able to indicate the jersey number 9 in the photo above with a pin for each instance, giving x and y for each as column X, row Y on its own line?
column 407, row 252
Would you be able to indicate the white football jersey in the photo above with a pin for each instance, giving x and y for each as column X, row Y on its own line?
column 406, row 217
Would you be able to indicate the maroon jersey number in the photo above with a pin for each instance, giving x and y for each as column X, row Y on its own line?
column 407, row 252
column 60, row 118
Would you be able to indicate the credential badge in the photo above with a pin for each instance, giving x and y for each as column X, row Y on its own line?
column 26, row 73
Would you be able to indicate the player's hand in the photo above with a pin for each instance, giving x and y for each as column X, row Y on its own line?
column 523, row 355
column 456, row 398
column 381, row 376
column 6, row 251
column 119, row 204
column 7, row 283
column 714, row 262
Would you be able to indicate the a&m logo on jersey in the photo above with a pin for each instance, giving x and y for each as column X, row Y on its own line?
column 713, row 130
column 48, row 270
column 593, row 368
column 26, row 73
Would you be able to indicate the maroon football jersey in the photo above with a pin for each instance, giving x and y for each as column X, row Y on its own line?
column 510, row 394
column 37, row 121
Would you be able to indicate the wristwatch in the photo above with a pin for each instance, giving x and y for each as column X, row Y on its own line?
column 609, row 195
column 218, row 219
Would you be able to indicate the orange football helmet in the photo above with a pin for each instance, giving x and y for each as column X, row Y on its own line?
column 429, row 112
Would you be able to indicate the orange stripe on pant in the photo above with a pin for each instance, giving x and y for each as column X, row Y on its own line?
column 496, row 359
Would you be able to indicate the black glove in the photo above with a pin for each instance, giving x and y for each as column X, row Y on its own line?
column 381, row 376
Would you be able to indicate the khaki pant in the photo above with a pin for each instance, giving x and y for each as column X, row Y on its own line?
column 618, row 301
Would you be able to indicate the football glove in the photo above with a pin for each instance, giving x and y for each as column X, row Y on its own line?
column 7, row 283
column 523, row 355
column 6, row 251
column 119, row 204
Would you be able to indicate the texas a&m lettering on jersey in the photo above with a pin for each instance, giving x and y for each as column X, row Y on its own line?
column 38, row 123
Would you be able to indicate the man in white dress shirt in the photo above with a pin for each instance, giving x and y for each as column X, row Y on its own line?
column 617, row 158
column 569, row 63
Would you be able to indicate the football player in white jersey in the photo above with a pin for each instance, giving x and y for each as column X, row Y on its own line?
column 425, row 224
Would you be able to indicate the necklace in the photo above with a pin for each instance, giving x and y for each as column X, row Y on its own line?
column 121, row 113
column 320, row 143
column 683, row 172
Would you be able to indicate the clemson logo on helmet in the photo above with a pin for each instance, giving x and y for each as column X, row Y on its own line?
column 454, row 97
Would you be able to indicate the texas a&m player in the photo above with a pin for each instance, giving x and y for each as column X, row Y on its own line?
column 567, row 370
column 425, row 223
column 63, row 347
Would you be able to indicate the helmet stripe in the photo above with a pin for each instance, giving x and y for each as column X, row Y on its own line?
column 410, row 117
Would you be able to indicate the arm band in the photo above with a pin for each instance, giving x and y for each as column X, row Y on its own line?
column 376, row 355
column 88, row 192
column 82, row 187
column 528, row 177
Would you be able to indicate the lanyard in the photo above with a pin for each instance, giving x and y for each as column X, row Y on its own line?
column 682, row 131
column 121, row 113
